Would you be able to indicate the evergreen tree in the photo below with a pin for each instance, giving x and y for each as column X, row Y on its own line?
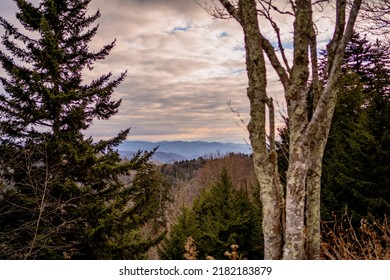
column 185, row 226
column 356, row 161
column 62, row 195
column 220, row 217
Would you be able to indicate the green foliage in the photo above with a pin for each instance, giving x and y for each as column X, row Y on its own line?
column 356, row 160
column 61, row 194
column 220, row 217
column 356, row 168
column 151, row 192
column 186, row 226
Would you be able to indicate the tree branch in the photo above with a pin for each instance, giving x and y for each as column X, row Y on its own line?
column 228, row 11
column 275, row 8
column 214, row 11
column 323, row 112
column 42, row 204
column 314, row 66
column 337, row 35
column 232, row 10
column 265, row 12
column 280, row 70
column 376, row 15
column 270, row 104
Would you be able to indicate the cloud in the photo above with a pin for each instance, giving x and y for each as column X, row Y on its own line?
column 183, row 68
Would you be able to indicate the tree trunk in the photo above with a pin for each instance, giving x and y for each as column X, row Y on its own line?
column 264, row 166
column 313, row 192
column 294, row 246
column 291, row 224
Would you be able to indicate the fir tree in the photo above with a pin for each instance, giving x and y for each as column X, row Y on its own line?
column 173, row 247
column 62, row 195
column 356, row 159
column 222, row 216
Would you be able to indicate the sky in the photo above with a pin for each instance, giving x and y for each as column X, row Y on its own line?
column 183, row 69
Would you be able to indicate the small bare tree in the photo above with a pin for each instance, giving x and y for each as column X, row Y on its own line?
column 291, row 214
column 32, row 238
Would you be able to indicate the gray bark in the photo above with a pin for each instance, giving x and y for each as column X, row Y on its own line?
column 291, row 220
column 264, row 164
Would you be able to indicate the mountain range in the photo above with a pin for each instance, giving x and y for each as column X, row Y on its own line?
column 171, row 151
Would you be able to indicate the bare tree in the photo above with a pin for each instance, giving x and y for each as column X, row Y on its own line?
column 35, row 218
column 291, row 215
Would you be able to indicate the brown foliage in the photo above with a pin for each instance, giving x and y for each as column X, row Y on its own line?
column 239, row 167
column 191, row 252
column 234, row 255
column 342, row 241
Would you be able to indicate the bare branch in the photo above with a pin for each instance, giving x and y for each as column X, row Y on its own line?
column 293, row 6
column 280, row 70
column 42, row 204
column 319, row 4
column 376, row 15
column 276, row 8
column 214, row 10
column 271, row 109
column 265, row 12
column 314, row 66
column 231, row 8
column 241, row 122
column 228, row 10
column 337, row 35
column 322, row 112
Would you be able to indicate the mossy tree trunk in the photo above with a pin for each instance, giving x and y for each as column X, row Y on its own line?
column 291, row 219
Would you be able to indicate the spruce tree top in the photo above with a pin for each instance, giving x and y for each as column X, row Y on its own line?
column 44, row 89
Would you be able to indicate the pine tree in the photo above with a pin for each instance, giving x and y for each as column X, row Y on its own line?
column 62, row 195
column 222, row 216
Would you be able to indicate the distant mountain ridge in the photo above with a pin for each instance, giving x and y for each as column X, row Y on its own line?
column 171, row 151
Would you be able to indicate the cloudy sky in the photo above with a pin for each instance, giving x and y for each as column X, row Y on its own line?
column 183, row 68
